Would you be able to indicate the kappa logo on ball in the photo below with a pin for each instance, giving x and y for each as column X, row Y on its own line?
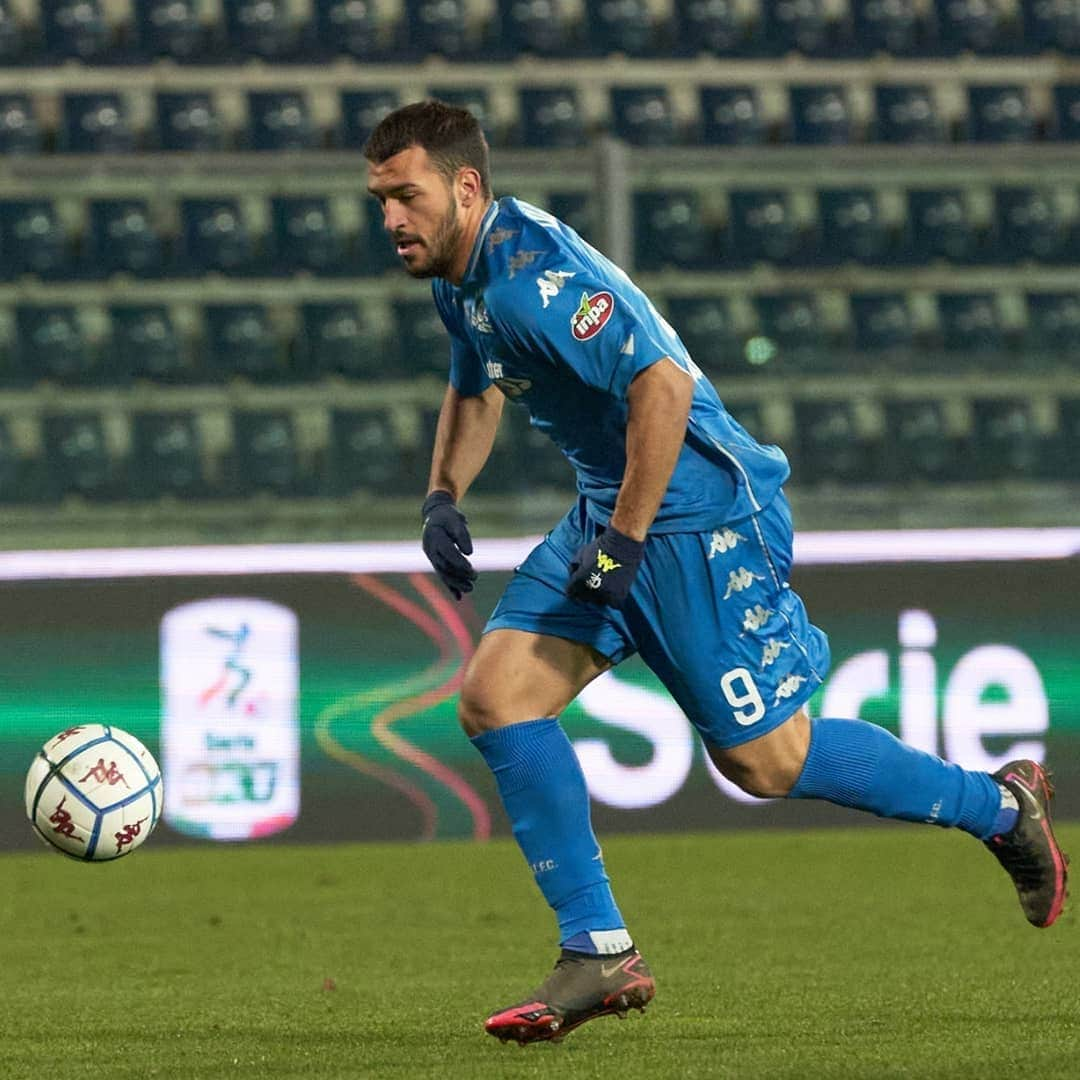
column 592, row 315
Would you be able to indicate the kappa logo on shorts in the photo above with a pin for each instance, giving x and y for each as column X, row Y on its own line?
column 592, row 315
column 788, row 687
column 755, row 618
column 772, row 651
column 740, row 579
column 723, row 541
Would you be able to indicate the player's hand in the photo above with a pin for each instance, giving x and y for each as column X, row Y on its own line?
column 603, row 570
column 446, row 542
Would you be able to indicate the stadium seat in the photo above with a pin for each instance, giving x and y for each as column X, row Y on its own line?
column 240, row 341
column 801, row 26
column 830, row 449
column 1008, row 443
column 551, row 117
column 74, row 30
column 423, row 344
column 77, row 456
column 146, row 344
column 906, row 114
column 577, row 209
column 167, row 455
column 51, row 344
column 761, row 228
column 14, row 479
column 893, row 27
column 96, row 124
column 1052, row 25
column 731, row 116
column 361, row 111
column 476, row 100
column 189, row 121
column 435, row 28
column 365, row 452
column 280, row 120
column 939, row 226
column 920, row 444
column 33, row 240
column 1068, row 449
column 265, row 454
column 1029, row 225
column 306, row 236
column 215, row 236
column 263, row 28
column 11, row 36
column 1053, row 329
column 336, row 339
column 882, row 323
column 121, row 239
column 717, row 27
column 820, row 115
column 1066, row 117
column 704, row 324
column 170, row 28
column 977, row 26
column 850, row 226
column 971, row 328
column 642, row 115
column 538, row 27
column 791, row 323
column 999, row 114
column 19, row 129
column 349, row 27
column 620, row 26
column 669, row 230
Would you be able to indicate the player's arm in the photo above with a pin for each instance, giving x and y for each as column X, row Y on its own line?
column 659, row 406
column 463, row 439
column 464, row 436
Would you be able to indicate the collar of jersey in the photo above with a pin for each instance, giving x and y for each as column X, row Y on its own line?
column 485, row 227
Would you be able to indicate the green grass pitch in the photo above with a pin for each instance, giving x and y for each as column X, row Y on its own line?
column 886, row 951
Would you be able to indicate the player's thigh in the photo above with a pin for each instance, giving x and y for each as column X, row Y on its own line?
column 726, row 633
column 769, row 765
column 517, row 675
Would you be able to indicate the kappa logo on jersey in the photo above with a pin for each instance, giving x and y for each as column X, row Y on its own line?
column 592, row 315
column 520, row 260
column 499, row 236
column 551, row 284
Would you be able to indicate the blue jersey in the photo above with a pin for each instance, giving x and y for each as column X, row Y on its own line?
column 563, row 331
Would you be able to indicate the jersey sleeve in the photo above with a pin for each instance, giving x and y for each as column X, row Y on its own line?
column 606, row 331
column 467, row 374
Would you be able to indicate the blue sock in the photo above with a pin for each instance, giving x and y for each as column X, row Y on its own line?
column 858, row 764
column 543, row 790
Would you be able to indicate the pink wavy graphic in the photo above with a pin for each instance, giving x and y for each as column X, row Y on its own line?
column 450, row 631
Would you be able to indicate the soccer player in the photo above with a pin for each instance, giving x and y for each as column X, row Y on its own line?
column 678, row 548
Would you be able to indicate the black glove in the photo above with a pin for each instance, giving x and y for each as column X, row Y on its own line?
column 446, row 542
column 603, row 570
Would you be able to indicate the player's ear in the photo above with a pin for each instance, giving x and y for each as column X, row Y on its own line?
column 469, row 187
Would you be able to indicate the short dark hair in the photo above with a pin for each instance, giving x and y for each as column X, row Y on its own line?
column 452, row 137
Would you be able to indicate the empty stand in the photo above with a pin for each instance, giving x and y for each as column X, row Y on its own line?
column 170, row 28
column 731, row 116
column 240, row 341
column 1029, row 224
column 361, row 111
column 422, row 342
column 265, row 453
column 882, row 323
column 851, row 228
column 621, row 26
column 1000, row 114
column 52, row 345
column 1007, row 439
column 20, row 132
column 906, row 114
column 820, row 115
column 77, row 456
column 189, row 121
column 121, row 239
column 921, row 445
column 33, row 240
column 75, row 30
column 669, row 230
column 349, row 27
column 435, row 28
column 281, row 120
column 551, row 117
column 306, row 236
column 705, row 325
column 96, row 123
column 761, row 227
column 262, row 28
column 642, row 115
column 830, row 446
column 167, row 456
column 337, row 339
column 146, row 344
column 538, row 27
column 214, row 237
column 365, row 452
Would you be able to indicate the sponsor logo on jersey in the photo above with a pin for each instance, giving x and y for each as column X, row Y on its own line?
column 520, row 260
column 494, row 369
column 592, row 315
column 551, row 284
column 723, row 541
column 478, row 317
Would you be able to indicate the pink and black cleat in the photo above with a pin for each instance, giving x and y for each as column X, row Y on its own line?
column 1030, row 854
column 581, row 988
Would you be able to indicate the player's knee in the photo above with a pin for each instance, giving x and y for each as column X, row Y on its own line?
column 769, row 767
column 763, row 780
column 476, row 710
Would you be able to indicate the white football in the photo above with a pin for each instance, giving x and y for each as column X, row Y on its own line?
column 93, row 792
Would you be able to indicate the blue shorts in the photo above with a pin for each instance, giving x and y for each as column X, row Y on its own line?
column 711, row 613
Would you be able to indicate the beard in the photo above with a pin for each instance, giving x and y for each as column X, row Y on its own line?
column 442, row 248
